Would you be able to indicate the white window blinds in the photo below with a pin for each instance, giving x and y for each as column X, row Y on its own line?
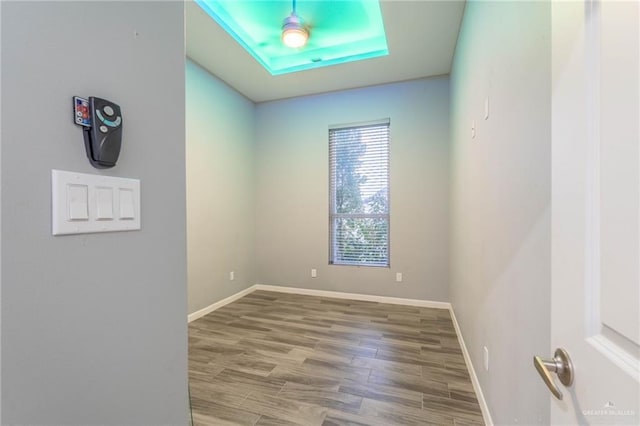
column 359, row 191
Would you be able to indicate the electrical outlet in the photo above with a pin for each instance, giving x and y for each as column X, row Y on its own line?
column 314, row 273
column 232, row 276
column 398, row 277
column 486, row 359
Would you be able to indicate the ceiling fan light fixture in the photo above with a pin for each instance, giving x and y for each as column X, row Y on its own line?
column 294, row 34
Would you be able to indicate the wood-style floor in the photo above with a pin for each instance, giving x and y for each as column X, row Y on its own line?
column 283, row 359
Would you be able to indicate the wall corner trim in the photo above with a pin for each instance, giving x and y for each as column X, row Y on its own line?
column 355, row 296
column 220, row 303
column 486, row 415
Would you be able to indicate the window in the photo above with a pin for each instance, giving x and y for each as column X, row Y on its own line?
column 359, row 191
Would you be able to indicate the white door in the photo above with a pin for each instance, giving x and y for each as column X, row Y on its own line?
column 595, row 297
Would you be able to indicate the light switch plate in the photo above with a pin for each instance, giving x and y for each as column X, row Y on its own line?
column 83, row 203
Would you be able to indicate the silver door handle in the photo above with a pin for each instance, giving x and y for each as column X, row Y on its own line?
column 561, row 365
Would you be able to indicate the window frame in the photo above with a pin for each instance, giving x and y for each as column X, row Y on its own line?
column 332, row 195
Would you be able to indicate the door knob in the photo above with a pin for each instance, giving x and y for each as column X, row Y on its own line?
column 561, row 365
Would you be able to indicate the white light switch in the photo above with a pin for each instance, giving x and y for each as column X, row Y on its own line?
column 104, row 203
column 127, row 205
column 77, row 202
column 83, row 203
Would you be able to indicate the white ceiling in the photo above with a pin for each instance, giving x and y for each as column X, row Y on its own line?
column 421, row 36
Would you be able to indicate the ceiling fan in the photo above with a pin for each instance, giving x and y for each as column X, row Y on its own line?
column 294, row 32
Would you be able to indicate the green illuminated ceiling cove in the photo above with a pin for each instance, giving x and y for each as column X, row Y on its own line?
column 340, row 31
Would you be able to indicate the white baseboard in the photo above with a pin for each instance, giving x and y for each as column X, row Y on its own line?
column 486, row 415
column 355, row 296
column 219, row 304
column 369, row 298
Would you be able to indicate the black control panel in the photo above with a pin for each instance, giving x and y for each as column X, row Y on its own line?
column 102, row 123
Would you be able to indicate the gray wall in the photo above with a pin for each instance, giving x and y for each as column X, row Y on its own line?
column 93, row 326
column 500, row 275
column 292, row 189
column 0, row 215
column 220, row 189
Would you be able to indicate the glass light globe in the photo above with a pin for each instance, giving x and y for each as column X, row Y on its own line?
column 294, row 37
column 294, row 34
